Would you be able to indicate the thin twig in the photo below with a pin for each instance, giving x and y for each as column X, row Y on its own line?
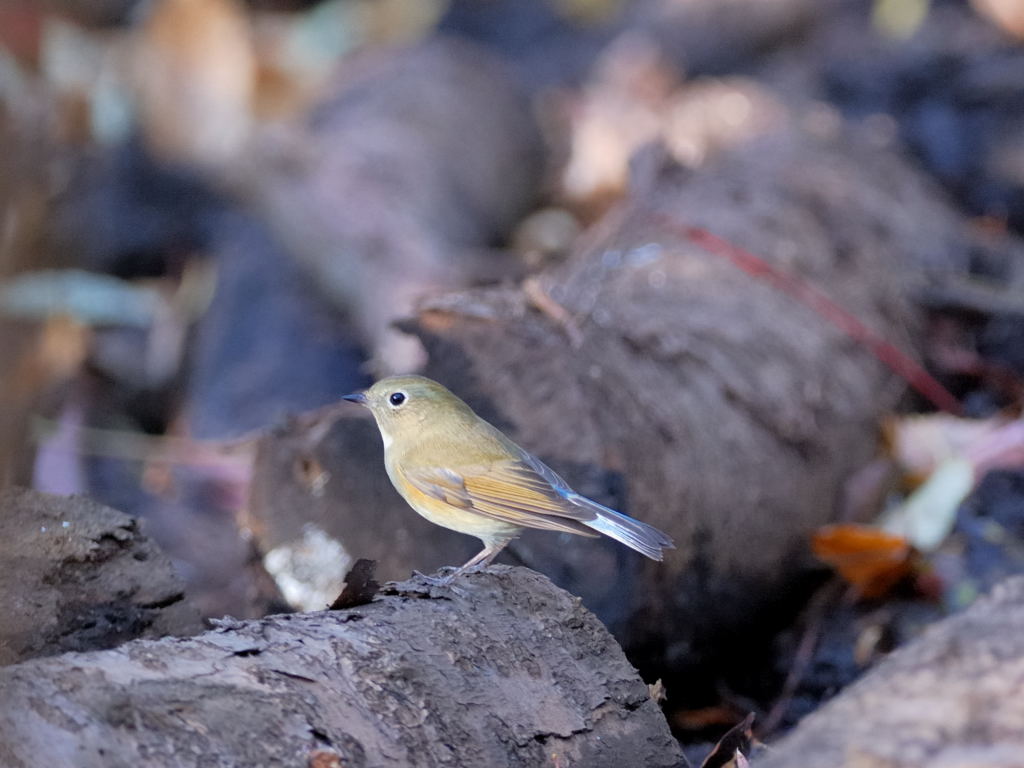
column 542, row 301
column 801, row 658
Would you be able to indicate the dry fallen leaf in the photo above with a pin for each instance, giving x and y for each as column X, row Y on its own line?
column 730, row 750
column 324, row 758
column 869, row 559
column 945, row 456
column 705, row 717
column 921, row 443
column 899, row 19
column 657, row 691
column 360, row 586
column 926, row 517
column 1008, row 15
column 195, row 74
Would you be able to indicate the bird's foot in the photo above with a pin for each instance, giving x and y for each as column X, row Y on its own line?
column 443, row 581
column 432, row 580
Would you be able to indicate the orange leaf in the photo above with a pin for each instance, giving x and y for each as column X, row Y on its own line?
column 194, row 72
column 869, row 559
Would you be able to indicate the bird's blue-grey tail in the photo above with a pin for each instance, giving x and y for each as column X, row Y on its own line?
column 644, row 538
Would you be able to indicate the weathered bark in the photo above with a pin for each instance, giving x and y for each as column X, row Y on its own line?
column 950, row 698
column 78, row 576
column 507, row 670
column 678, row 388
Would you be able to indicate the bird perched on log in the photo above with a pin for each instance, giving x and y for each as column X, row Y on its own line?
column 460, row 472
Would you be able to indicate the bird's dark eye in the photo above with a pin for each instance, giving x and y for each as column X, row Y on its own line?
column 397, row 398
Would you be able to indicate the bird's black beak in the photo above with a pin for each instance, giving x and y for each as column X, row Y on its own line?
column 355, row 397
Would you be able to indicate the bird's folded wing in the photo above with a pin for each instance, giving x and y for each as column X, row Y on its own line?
column 511, row 491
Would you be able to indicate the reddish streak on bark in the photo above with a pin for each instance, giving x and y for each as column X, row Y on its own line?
column 809, row 295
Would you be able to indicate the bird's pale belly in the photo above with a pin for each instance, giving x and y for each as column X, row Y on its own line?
column 464, row 521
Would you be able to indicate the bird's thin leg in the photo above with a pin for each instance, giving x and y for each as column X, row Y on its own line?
column 480, row 560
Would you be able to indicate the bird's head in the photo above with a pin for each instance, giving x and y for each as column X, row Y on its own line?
column 407, row 405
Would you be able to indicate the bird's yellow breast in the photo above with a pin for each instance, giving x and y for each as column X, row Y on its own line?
column 441, row 513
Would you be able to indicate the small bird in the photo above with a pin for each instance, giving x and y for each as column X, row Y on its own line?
column 459, row 472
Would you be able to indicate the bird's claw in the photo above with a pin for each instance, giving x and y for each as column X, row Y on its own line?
column 435, row 581
column 443, row 581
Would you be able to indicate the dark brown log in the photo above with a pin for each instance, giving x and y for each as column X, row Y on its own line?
column 78, row 576
column 508, row 670
column 662, row 380
column 951, row 698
